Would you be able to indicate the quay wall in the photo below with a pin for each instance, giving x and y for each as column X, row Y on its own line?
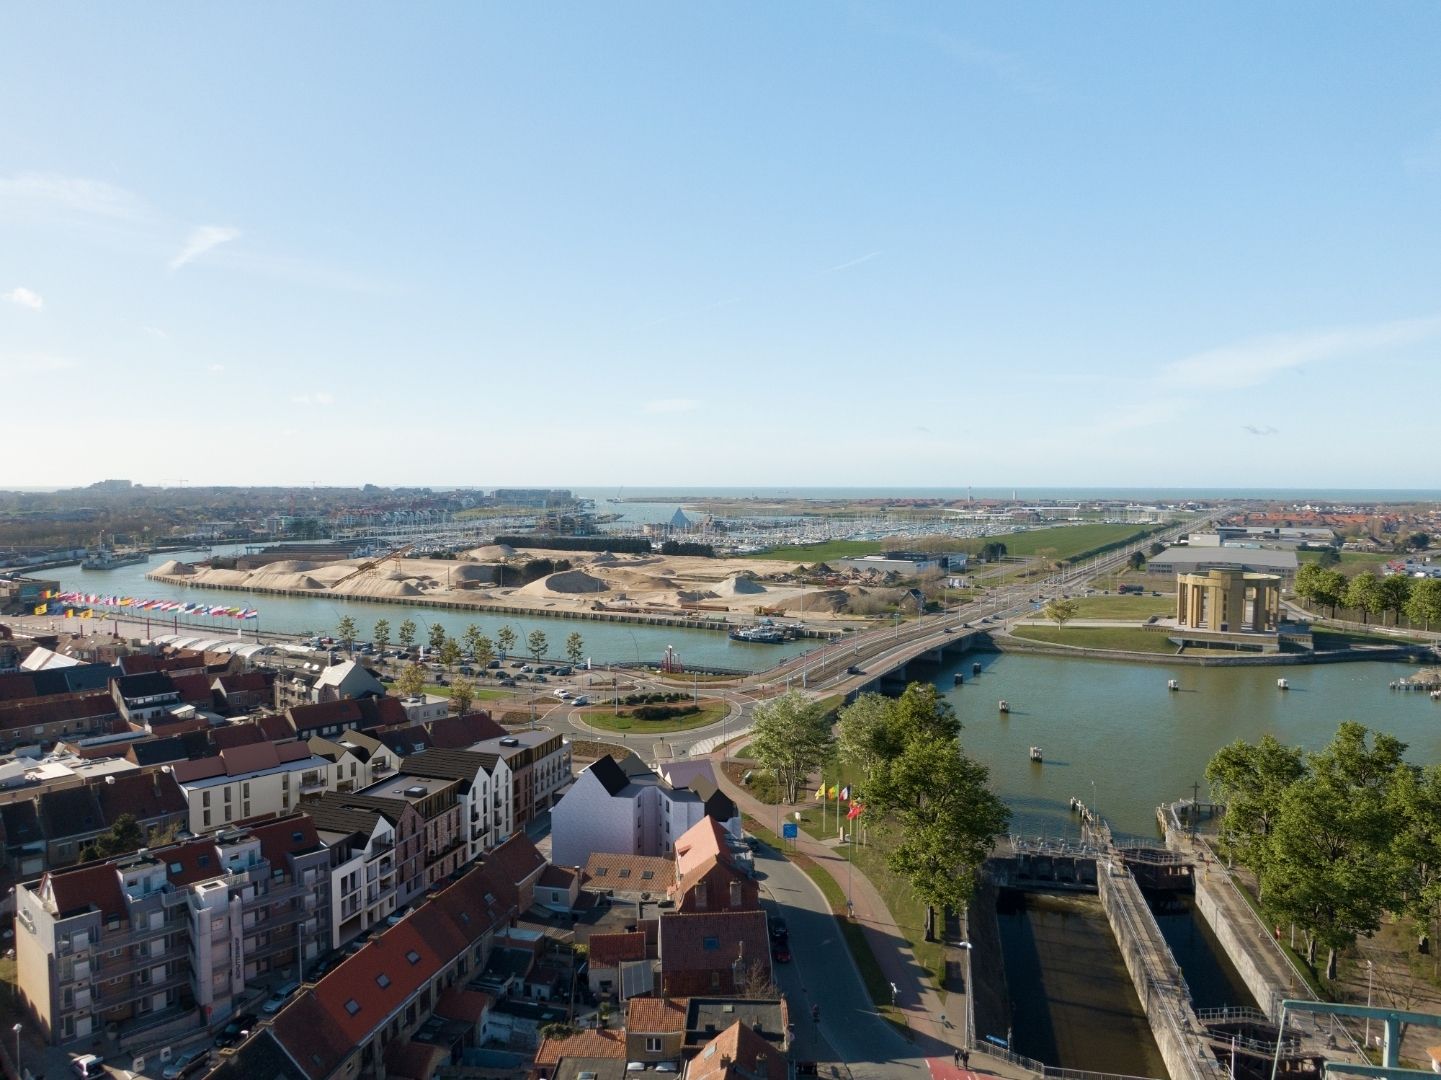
column 648, row 619
column 1004, row 644
column 1162, row 989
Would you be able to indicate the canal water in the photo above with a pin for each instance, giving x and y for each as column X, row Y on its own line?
column 1212, row 978
column 1072, row 1003
column 1113, row 735
column 604, row 641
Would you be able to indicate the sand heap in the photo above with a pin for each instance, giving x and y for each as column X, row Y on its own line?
column 491, row 552
column 472, row 572
column 174, row 566
column 285, row 566
column 650, row 583
column 379, row 588
column 605, row 558
column 694, row 596
column 739, row 585
column 567, row 581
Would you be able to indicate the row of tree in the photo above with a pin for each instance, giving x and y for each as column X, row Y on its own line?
column 1338, row 839
column 930, row 801
column 1418, row 599
column 449, row 650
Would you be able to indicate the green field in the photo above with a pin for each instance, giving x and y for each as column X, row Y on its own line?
column 814, row 553
column 1353, row 562
column 1124, row 607
column 1087, row 637
column 480, row 693
column 711, row 712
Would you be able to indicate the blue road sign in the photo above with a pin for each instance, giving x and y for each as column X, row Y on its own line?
column 790, row 830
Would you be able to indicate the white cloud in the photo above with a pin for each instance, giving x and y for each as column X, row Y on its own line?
column 216, row 369
column 25, row 298
column 320, row 397
column 30, row 195
column 155, row 332
column 1260, row 430
column 671, row 405
column 1252, row 362
column 201, row 240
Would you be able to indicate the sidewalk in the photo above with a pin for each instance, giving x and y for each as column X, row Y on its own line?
column 936, row 1028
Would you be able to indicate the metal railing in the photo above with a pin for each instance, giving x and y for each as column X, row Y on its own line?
column 1040, row 1068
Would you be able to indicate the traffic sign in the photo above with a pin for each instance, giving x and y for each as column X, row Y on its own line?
column 790, row 830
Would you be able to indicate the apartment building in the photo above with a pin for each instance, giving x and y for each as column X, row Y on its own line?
column 441, row 806
column 540, row 766
column 250, row 781
column 377, row 862
column 172, row 930
column 486, row 792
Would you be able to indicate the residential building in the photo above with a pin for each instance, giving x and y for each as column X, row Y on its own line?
column 143, row 697
column 425, row 708
column 330, row 718
column 486, row 792
column 595, row 1053
column 175, row 930
column 344, row 681
column 738, row 1053
column 629, row 877
column 654, row 1029
column 45, row 720
column 714, row 953
column 249, row 781
column 540, row 767
column 706, row 1017
column 238, row 693
column 370, row 871
column 709, row 874
column 441, row 804
column 609, row 953
column 625, row 807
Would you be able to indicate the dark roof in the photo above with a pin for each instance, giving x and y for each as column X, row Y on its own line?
column 77, row 678
column 713, row 940
column 194, row 689
column 331, row 814
column 242, row 682
column 279, row 838
column 462, row 732
column 96, row 886
column 363, row 713
column 258, row 1058
column 20, row 823
column 410, row 739
column 148, row 684
column 56, row 709
column 227, row 735
column 70, row 812
column 448, row 764
column 193, row 861
column 142, row 795
column 186, row 746
column 609, row 774
column 511, row 863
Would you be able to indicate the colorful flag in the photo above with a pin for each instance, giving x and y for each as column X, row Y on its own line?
column 87, row 613
column 40, row 609
column 831, row 794
column 820, row 791
column 854, row 812
column 846, row 793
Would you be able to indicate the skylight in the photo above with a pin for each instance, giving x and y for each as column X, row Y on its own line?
column 413, row 956
column 352, row 1006
column 382, row 980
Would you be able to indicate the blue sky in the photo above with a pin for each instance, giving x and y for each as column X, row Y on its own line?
column 795, row 244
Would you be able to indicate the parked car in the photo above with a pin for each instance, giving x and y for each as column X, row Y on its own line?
column 781, row 951
column 182, row 1065
column 233, row 1032
column 777, row 927
column 88, row 1066
column 276, row 1001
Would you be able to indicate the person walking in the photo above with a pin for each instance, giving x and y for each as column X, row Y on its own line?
column 956, row 1057
column 965, row 1059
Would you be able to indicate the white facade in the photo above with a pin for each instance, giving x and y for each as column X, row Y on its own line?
column 363, row 887
column 588, row 818
column 216, row 801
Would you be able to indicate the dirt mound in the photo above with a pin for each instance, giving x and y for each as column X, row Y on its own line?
column 472, row 572
column 567, row 581
column 174, row 566
column 285, row 566
column 491, row 552
column 832, row 600
column 392, row 589
column 650, row 581
column 739, row 585
column 605, row 558
column 695, row 596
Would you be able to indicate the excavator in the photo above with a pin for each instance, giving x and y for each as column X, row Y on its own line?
column 375, row 564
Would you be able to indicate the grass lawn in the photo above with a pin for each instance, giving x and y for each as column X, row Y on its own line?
column 1353, row 561
column 813, row 553
column 900, row 898
column 1067, row 540
column 1088, row 637
column 710, row 712
column 1332, row 640
column 1139, row 608
column 479, row 694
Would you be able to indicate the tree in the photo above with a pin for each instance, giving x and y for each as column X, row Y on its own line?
column 1331, row 589
column 1155, row 549
column 1329, row 867
column 1308, row 580
column 450, row 652
column 1363, row 594
column 505, row 638
column 1329, row 558
column 945, row 819
column 406, row 637
column 1136, row 560
column 345, row 631
column 1416, row 845
column 411, row 682
column 1395, row 592
column 993, row 551
column 1418, row 541
column 535, row 640
column 462, row 693
column 1424, row 604
column 484, row 652
column 472, row 638
column 1061, row 611
column 437, row 636
column 922, row 713
column 382, row 634
column 123, row 837
column 1250, row 781
column 575, row 648
column 791, row 736
column 865, row 734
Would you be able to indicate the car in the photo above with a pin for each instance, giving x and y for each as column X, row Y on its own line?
column 564, row 671
column 466, row 669
column 492, row 665
column 779, row 931
column 182, row 1065
column 236, row 1030
column 781, row 952
column 276, row 1001
column 580, row 699
column 540, row 678
column 528, row 669
column 88, row 1066
column 561, row 693
column 854, row 670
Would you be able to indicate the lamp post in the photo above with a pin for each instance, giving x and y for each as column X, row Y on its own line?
column 1370, row 971
column 966, row 1010
column 18, row 1070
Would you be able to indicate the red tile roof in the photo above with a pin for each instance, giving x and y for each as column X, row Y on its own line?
column 197, row 860
column 583, row 1044
column 608, row 950
column 84, row 887
column 228, row 735
column 290, row 835
column 712, row 941
column 304, row 1030
column 466, row 1005
column 463, row 732
column 56, row 709
column 142, row 795
column 414, row 1060
column 739, row 1053
column 195, row 689
column 654, row 1016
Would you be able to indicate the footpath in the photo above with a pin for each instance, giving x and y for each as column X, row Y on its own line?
column 936, row 1027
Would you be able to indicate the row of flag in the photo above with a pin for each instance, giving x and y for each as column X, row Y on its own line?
column 58, row 602
column 824, row 794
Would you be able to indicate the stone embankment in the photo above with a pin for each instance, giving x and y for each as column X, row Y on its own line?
column 1007, row 643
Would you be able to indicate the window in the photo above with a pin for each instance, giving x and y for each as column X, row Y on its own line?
column 413, row 956
column 382, row 980
column 352, row 1006
column 205, row 798
column 205, row 820
column 652, row 1044
column 711, row 943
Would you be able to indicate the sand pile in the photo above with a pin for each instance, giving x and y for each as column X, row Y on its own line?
column 696, row 596
column 174, row 566
column 491, row 552
column 832, row 600
column 605, row 558
column 392, row 589
column 739, row 585
column 332, row 572
column 472, row 572
column 285, row 566
column 567, row 581
column 650, row 582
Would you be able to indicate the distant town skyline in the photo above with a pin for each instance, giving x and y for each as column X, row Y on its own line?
column 857, row 246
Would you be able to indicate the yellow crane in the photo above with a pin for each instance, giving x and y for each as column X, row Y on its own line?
column 374, row 564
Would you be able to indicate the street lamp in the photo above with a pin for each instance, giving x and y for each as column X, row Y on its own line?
column 18, row 1070
column 966, row 1010
column 1370, row 971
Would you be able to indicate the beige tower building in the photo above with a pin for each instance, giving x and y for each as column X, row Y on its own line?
column 1228, row 601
